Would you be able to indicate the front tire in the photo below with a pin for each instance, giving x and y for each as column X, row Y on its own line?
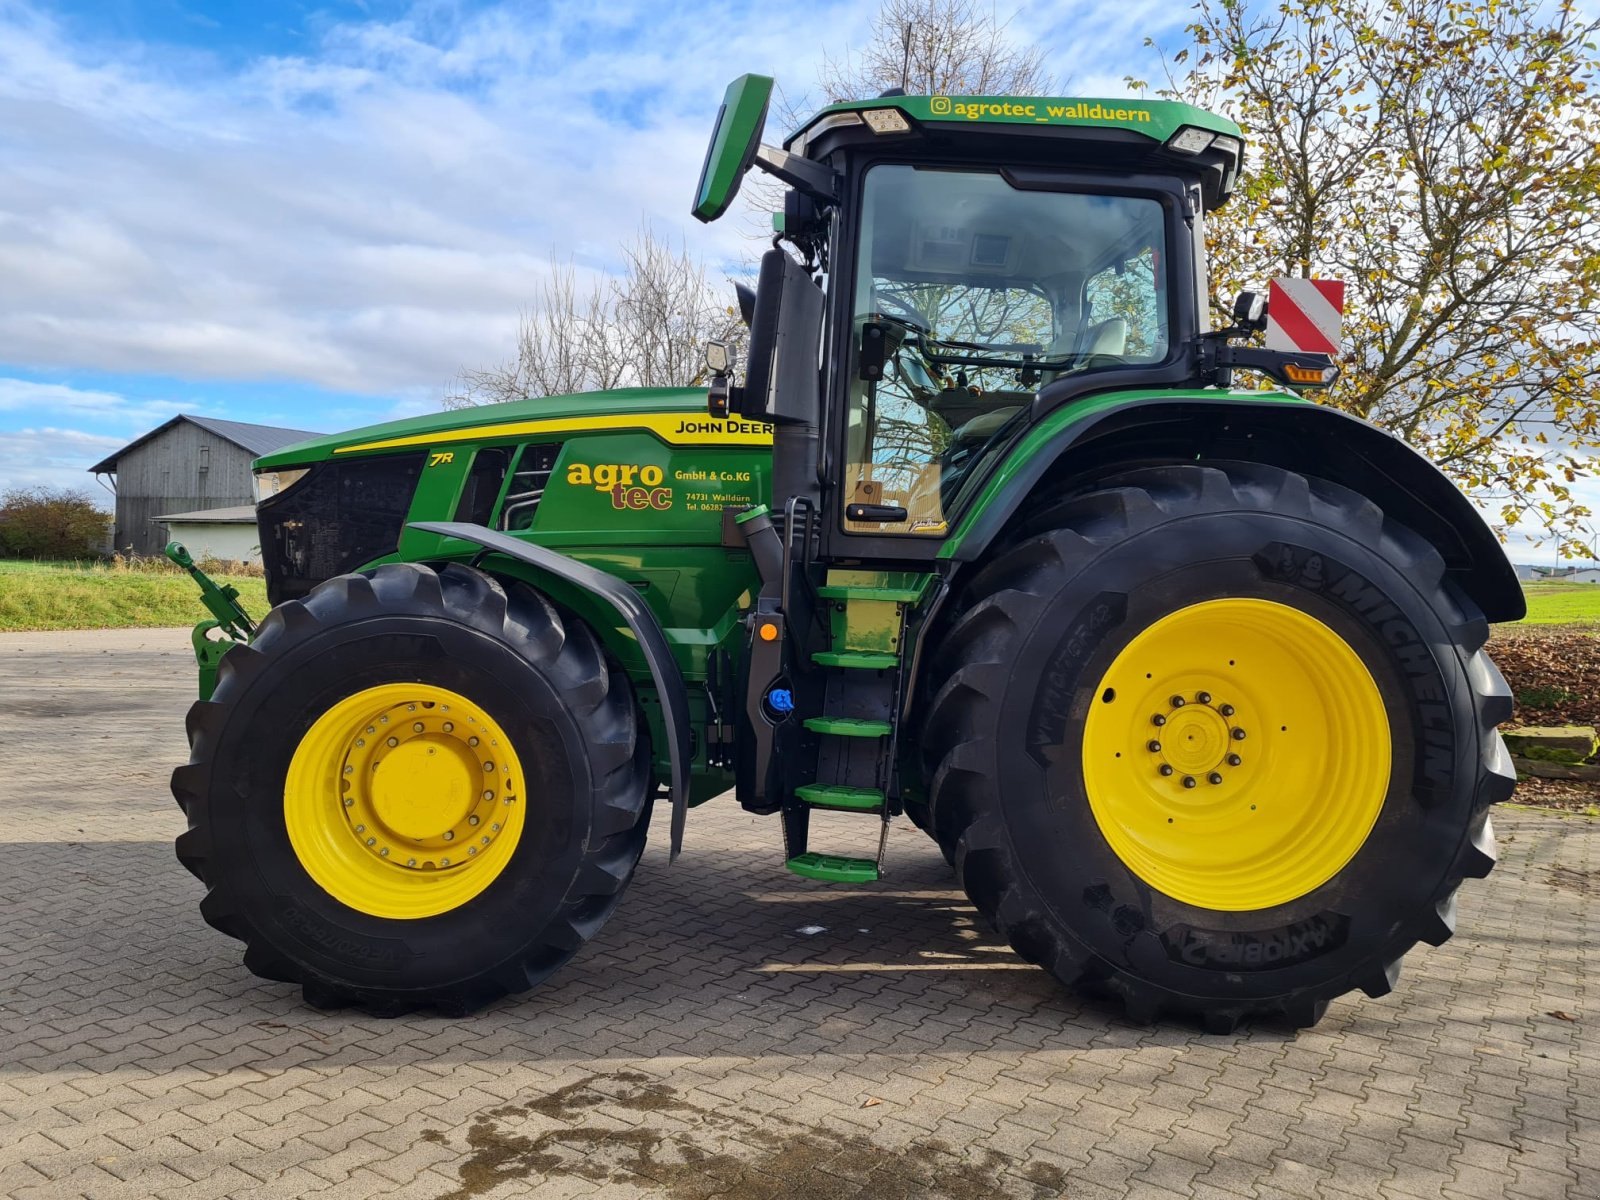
column 1086, row 777
column 415, row 788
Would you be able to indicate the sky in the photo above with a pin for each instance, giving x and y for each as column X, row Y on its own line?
column 317, row 214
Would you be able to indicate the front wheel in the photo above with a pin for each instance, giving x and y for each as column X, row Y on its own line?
column 416, row 788
column 1218, row 742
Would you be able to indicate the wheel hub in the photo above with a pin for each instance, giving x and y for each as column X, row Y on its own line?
column 404, row 800
column 1195, row 740
column 1238, row 754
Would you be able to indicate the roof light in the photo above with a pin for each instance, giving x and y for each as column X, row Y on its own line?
column 885, row 120
column 1308, row 376
column 1190, row 140
column 821, row 125
column 1229, row 145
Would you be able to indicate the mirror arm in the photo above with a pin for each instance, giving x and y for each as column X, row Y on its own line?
column 812, row 178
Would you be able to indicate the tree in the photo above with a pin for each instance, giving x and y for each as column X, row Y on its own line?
column 1439, row 156
column 938, row 48
column 645, row 328
column 51, row 523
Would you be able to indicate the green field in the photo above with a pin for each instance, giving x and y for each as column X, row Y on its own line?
column 36, row 596
column 40, row 595
column 1557, row 603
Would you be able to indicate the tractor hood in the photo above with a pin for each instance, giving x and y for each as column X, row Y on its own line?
column 655, row 409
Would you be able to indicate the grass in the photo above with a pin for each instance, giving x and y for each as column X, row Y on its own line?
column 41, row 595
column 1553, row 602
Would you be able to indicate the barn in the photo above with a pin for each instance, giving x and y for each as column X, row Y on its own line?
column 181, row 468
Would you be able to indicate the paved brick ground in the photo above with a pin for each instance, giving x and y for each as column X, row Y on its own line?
column 703, row 1047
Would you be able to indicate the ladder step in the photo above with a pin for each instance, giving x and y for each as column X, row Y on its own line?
column 861, row 660
column 848, row 727
column 851, row 591
column 830, row 795
column 832, row 869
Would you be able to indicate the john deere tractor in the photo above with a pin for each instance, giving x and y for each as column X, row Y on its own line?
column 1186, row 680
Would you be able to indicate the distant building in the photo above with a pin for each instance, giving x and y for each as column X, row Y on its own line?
column 1586, row 575
column 188, row 466
column 215, row 532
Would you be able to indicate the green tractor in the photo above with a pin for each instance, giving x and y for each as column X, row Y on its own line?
column 1186, row 682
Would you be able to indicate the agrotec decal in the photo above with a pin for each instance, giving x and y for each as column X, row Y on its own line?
column 630, row 487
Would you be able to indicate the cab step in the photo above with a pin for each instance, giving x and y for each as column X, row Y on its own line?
column 856, row 591
column 830, row 868
column 860, row 660
column 848, row 727
column 836, row 795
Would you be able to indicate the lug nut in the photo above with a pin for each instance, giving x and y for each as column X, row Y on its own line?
column 349, row 802
column 449, row 835
column 1158, row 720
column 472, row 849
column 372, row 841
column 1214, row 777
column 444, row 862
column 416, row 726
column 1153, row 746
column 1178, row 702
column 1234, row 760
column 449, row 726
column 1202, row 697
column 1165, row 768
column 1188, row 781
column 472, row 741
column 1225, row 709
column 411, row 862
column 394, row 741
column 361, row 828
column 384, row 853
column 349, row 770
column 473, row 819
column 1238, row 735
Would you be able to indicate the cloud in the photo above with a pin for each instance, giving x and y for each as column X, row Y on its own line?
column 55, row 458
column 366, row 217
column 104, row 407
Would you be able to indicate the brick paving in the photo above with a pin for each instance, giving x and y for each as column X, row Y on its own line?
column 701, row 1046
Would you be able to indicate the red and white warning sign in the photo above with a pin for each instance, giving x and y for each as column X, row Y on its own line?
column 1304, row 314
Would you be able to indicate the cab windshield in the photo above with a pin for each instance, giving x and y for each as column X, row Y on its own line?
column 984, row 292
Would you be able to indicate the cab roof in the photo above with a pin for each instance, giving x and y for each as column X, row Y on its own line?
column 1158, row 120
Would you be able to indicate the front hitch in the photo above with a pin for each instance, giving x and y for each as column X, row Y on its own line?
column 228, row 616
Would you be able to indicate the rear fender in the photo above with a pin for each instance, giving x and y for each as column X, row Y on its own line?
column 1061, row 454
column 640, row 620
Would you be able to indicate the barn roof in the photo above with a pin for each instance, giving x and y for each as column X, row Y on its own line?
column 234, row 514
column 257, row 439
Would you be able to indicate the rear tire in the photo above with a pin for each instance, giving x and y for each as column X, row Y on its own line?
column 274, row 752
column 1059, row 850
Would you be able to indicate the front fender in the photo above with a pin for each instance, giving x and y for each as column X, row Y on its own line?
column 639, row 619
column 1079, row 442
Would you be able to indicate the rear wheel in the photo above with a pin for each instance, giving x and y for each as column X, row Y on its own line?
column 415, row 788
column 1219, row 742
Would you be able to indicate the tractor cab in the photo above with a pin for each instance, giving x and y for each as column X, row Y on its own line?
column 978, row 262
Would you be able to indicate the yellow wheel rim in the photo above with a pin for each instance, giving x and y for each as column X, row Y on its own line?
column 404, row 800
column 1236, row 754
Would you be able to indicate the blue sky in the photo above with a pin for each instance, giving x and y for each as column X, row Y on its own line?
column 316, row 214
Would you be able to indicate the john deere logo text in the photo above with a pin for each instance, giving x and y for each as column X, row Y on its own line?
column 630, row 487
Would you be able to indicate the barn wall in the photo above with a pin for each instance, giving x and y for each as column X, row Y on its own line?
column 164, row 476
column 213, row 539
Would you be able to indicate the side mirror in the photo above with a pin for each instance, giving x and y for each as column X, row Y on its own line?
column 780, row 377
column 734, row 142
column 747, row 303
column 1250, row 311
